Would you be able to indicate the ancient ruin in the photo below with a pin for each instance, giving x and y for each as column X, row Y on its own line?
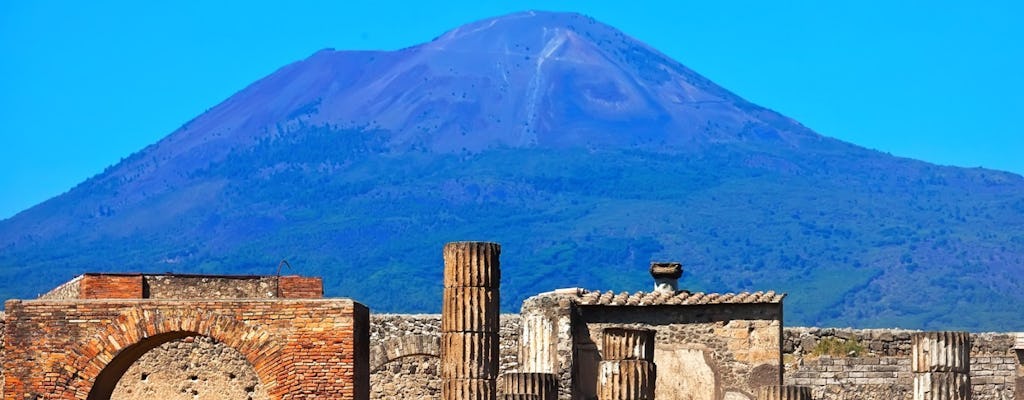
column 469, row 321
column 139, row 336
column 78, row 341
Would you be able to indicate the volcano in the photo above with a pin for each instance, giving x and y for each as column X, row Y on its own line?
column 585, row 152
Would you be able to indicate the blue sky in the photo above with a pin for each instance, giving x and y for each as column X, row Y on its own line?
column 84, row 84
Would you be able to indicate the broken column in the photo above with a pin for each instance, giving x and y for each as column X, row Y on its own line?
column 469, row 321
column 627, row 371
column 787, row 392
column 942, row 366
column 542, row 385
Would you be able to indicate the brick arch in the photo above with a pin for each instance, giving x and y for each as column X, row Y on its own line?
column 397, row 348
column 104, row 358
column 299, row 348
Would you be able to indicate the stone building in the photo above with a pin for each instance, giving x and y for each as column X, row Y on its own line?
column 707, row 346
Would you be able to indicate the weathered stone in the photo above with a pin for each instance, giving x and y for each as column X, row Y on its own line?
column 469, row 321
column 941, row 352
column 788, row 392
column 472, row 264
column 942, row 386
column 470, row 309
column 73, row 349
column 628, row 344
column 468, row 355
column 519, row 396
column 468, row 389
column 542, row 385
column 626, row 380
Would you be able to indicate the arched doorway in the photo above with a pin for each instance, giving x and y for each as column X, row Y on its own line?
column 190, row 368
column 176, row 365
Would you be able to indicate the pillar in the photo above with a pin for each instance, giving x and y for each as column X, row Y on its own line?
column 626, row 380
column 627, row 370
column 787, row 392
column 941, row 362
column 469, row 321
column 542, row 385
column 628, row 344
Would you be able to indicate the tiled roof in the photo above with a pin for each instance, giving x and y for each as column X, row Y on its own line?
column 609, row 298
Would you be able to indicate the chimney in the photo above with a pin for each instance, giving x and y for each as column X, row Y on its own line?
column 666, row 276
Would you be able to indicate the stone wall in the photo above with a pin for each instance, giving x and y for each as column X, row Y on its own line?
column 209, row 287
column 878, row 364
column 66, row 291
column 188, row 369
column 195, row 368
column 405, row 354
column 701, row 352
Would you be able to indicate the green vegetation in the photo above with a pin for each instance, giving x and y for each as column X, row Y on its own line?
column 836, row 347
column 855, row 239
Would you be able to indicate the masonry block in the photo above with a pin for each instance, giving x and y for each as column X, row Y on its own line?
column 300, row 287
column 111, row 286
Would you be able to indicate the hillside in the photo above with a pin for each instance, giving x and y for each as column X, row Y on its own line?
column 584, row 152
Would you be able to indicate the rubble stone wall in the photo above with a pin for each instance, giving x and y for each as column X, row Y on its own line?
column 880, row 368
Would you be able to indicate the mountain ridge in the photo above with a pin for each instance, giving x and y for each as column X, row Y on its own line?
column 360, row 165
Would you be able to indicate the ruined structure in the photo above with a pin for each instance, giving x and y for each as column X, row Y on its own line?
column 942, row 365
column 710, row 345
column 78, row 341
column 469, row 321
column 133, row 336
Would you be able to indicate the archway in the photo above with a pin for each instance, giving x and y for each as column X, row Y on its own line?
column 80, row 349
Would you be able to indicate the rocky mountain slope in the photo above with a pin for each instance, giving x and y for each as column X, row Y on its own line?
column 584, row 152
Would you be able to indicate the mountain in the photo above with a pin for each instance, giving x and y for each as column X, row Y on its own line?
column 586, row 153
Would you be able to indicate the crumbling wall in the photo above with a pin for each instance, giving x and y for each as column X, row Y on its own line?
column 701, row 352
column 877, row 365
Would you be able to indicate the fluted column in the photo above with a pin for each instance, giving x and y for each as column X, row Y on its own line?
column 542, row 385
column 626, row 380
column 941, row 362
column 627, row 370
column 628, row 344
column 788, row 392
column 469, row 321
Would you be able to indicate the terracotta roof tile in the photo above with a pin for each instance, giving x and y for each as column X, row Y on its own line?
column 597, row 298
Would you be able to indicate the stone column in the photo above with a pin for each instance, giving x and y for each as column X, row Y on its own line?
column 626, row 380
column 627, row 370
column 628, row 344
column 469, row 321
column 788, row 392
column 542, row 385
column 941, row 362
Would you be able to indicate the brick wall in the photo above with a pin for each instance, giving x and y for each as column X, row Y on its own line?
column 300, row 287
column 65, row 349
column 111, row 287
